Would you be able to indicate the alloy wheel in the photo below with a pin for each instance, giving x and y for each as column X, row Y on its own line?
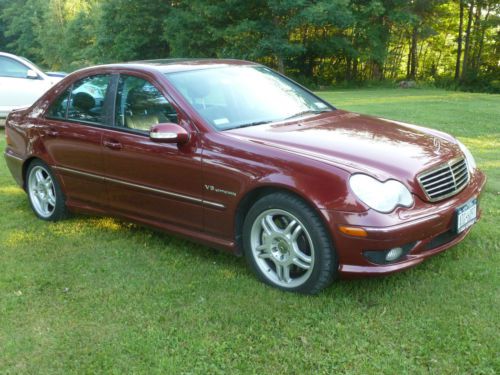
column 42, row 191
column 282, row 248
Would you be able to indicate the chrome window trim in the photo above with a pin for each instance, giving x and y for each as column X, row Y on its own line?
column 143, row 187
column 448, row 164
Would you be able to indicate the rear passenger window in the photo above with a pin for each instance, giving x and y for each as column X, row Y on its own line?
column 57, row 109
column 87, row 99
column 139, row 105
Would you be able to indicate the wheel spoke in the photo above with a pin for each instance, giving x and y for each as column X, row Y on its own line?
column 300, row 255
column 51, row 199
column 264, row 255
column 290, row 227
column 268, row 225
column 283, row 272
column 38, row 198
column 265, row 227
column 300, row 263
column 296, row 233
column 271, row 223
column 264, row 252
column 44, row 204
column 39, row 176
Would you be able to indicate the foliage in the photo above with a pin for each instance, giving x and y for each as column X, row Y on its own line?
column 96, row 295
column 131, row 30
column 321, row 42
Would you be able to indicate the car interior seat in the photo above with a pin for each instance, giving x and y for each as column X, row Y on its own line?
column 140, row 111
column 83, row 104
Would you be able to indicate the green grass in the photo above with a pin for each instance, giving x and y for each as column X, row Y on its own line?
column 95, row 295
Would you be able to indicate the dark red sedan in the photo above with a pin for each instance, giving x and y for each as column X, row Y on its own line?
column 236, row 156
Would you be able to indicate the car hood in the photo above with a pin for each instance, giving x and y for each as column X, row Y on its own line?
column 382, row 148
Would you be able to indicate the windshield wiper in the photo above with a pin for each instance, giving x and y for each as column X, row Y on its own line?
column 309, row 111
column 250, row 124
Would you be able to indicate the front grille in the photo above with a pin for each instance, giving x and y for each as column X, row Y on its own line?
column 446, row 180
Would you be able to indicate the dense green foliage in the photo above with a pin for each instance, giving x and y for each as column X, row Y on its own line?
column 320, row 42
column 99, row 296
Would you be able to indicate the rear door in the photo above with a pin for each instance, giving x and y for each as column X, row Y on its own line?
column 72, row 135
column 158, row 182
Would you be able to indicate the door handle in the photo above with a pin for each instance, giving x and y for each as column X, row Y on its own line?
column 112, row 144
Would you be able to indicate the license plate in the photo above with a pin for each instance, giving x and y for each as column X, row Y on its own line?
column 466, row 215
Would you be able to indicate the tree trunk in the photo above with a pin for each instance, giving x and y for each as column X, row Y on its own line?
column 281, row 64
column 413, row 54
column 354, row 74
column 408, row 61
column 399, row 50
column 348, row 65
column 481, row 41
column 467, row 41
column 475, row 35
column 377, row 73
column 459, row 41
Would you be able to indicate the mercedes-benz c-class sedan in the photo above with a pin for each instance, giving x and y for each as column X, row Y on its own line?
column 236, row 156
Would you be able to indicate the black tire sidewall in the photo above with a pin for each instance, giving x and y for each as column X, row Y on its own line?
column 60, row 211
column 325, row 262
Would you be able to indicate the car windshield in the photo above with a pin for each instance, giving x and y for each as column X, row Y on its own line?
column 239, row 96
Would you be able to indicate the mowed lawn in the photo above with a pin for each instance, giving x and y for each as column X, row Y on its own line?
column 96, row 295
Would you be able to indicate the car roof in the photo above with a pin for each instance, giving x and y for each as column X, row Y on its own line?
column 179, row 65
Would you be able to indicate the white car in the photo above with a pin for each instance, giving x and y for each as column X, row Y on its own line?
column 21, row 83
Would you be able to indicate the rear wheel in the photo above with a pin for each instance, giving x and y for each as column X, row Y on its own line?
column 44, row 193
column 287, row 246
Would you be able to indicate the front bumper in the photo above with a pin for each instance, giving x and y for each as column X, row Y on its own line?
column 428, row 227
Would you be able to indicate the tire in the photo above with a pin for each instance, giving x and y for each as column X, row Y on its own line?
column 287, row 245
column 44, row 192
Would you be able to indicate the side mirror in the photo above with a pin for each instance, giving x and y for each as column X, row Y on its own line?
column 31, row 74
column 169, row 133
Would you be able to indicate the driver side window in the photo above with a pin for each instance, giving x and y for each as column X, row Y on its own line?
column 140, row 105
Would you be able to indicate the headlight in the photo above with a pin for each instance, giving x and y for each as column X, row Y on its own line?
column 471, row 163
column 381, row 196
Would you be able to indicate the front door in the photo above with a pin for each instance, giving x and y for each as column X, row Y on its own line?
column 157, row 182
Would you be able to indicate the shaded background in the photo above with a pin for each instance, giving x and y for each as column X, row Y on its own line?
column 451, row 44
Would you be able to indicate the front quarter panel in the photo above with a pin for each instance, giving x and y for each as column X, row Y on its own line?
column 233, row 168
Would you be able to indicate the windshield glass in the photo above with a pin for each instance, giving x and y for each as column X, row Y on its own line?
column 238, row 96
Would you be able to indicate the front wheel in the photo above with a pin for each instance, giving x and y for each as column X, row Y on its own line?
column 44, row 193
column 287, row 246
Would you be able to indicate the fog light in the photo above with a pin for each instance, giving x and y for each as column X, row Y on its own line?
column 393, row 254
column 388, row 256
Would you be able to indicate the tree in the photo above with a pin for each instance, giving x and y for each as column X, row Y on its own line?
column 459, row 40
column 465, row 62
column 319, row 42
column 129, row 30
